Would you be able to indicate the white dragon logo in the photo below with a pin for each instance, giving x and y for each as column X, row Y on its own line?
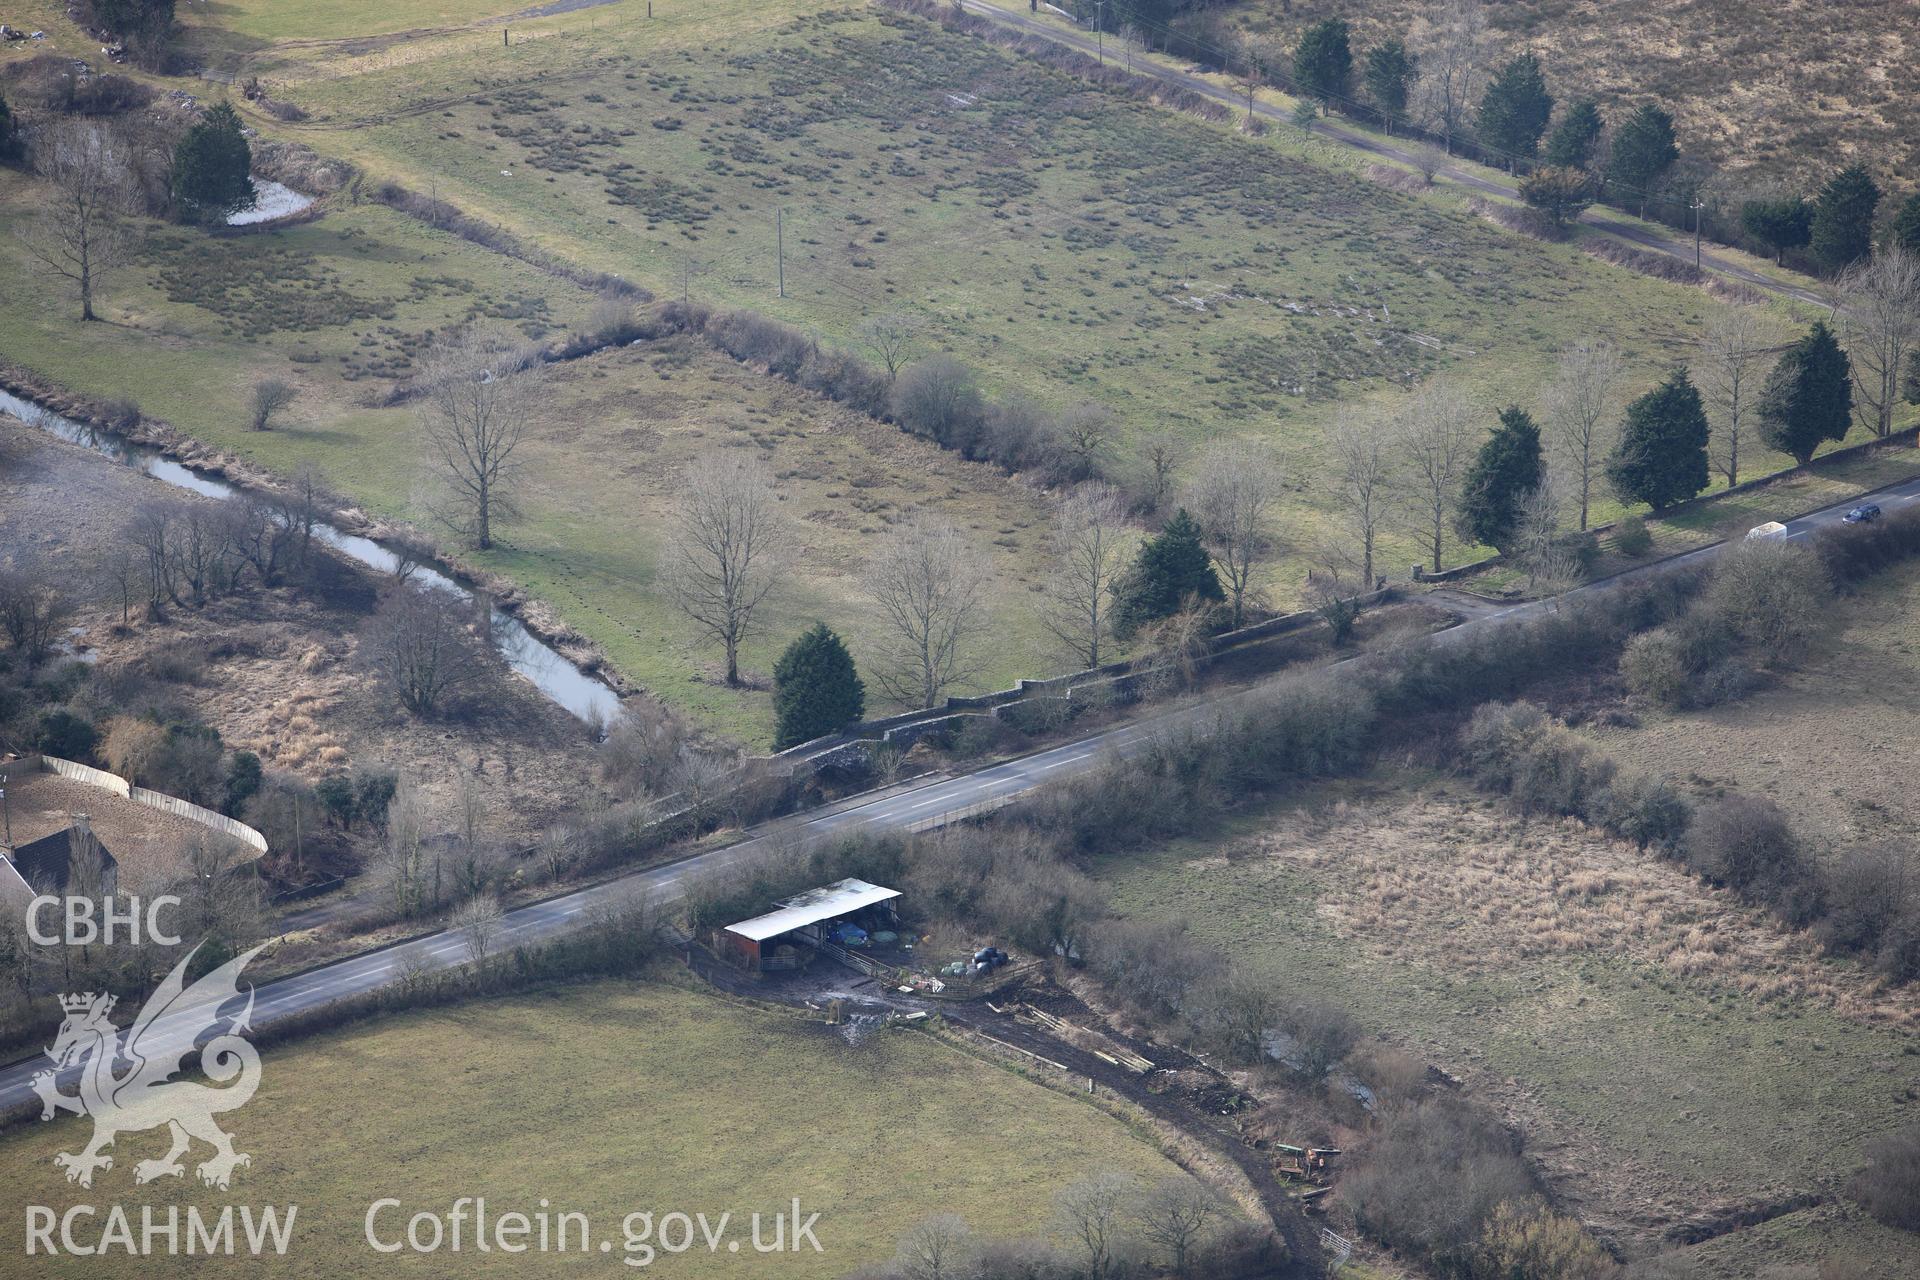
column 144, row 1096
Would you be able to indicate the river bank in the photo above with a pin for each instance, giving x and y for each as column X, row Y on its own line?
column 563, row 664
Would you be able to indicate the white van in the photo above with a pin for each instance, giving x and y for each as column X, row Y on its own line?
column 1771, row 531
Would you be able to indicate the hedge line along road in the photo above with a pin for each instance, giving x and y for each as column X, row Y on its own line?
column 912, row 807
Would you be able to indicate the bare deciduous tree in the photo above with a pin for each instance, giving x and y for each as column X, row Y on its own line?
column 301, row 505
column 259, row 536
column 1551, row 565
column 929, row 582
column 1880, row 314
column 478, row 921
column 726, row 550
column 401, row 862
column 200, row 549
column 890, row 339
column 423, row 645
column 480, row 398
column 1174, row 1216
column 1362, row 481
column 1428, row 162
column 701, row 781
column 1161, row 454
column 268, row 398
column 936, row 1249
column 1731, row 365
column 1451, row 41
column 1174, row 647
column 150, row 534
column 1082, row 436
column 1093, row 1212
column 556, row 851
column 80, row 234
column 1234, row 493
column 220, row 896
column 32, row 612
column 638, row 756
column 123, row 570
column 1583, row 411
column 1090, row 538
column 1323, row 1033
column 1437, row 439
column 474, row 860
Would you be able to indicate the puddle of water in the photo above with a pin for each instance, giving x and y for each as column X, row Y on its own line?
column 564, row 683
column 270, row 200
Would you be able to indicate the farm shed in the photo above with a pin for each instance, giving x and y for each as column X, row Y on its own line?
column 804, row 920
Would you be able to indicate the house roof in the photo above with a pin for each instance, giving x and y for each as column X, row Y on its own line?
column 47, row 863
column 826, row 903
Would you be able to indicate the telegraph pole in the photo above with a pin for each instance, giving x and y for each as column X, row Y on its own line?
column 1100, row 31
column 1697, row 205
column 780, row 243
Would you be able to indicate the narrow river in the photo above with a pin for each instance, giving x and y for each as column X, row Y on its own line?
column 567, row 685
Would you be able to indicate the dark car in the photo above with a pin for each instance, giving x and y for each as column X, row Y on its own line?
column 1865, row 514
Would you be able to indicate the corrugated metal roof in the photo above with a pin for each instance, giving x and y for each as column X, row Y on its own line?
column 813, row 906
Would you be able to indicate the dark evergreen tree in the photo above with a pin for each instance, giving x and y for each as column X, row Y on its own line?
column 1515, row 109
column 1905, row 230
column 1323, row 64
column 1808, row 398
column 1172, row 568
column 1507, row 469
column 1662, row 454
column 65, row 735
column 6, row 131
column 1643, row 150
column 1561, row 194
column 1781, row 224
column 1571, row 144
column 1843, row 218
column 816, row 690
column 212, row 167
column 1390, row 75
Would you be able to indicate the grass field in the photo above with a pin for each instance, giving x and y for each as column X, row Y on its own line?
column 338, row 307
column 1825, row 741
column 601, row 480
column 1070, row 244
column 611, row 1099
column 341, row 306
column 1777, row 91
column 1666, row 1051
column 266, row 20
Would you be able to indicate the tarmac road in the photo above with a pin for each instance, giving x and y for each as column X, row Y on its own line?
column 1681, row 248
column 911, row 807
